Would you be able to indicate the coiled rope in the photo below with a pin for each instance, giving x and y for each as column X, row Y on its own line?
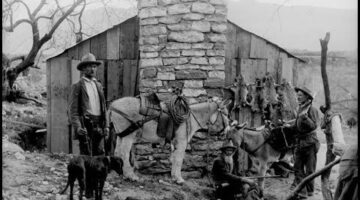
column 179, row 109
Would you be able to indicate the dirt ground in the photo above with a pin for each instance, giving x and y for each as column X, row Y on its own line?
column 41, row 176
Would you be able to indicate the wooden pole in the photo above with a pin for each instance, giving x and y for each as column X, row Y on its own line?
column 324, row 42
column 325, row 185
column 311, row 177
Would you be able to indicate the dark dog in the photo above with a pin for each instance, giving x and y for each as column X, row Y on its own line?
column 91, row 173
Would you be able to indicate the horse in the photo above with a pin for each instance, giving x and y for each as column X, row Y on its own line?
column 259, row 144
column 201, row 116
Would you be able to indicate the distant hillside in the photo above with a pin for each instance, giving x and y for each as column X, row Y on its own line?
column 297, row 27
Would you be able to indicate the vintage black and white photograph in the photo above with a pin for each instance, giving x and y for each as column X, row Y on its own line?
column 180, row 99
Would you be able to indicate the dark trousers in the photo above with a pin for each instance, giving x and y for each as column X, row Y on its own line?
column 93, row 143
column 305, row 164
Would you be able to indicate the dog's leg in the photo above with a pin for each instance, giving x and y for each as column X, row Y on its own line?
column 81, row 181
column 72, row 179
column 101, row 187
column 123, row 148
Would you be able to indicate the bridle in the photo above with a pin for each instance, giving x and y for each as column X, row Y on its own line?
column 220, row 111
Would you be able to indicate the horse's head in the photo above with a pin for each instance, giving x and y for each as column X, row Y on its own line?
column 233, row 131
column 219, row 119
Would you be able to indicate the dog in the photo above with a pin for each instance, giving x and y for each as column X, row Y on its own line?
column 91, row 173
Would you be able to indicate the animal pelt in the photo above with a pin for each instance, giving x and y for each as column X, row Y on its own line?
column 288, row 100
column 91, row 173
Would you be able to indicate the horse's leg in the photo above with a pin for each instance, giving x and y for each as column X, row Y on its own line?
column 123, row 148
column 177, row 156
column 262, row 172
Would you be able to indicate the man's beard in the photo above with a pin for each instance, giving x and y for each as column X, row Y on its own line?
column 229, row 160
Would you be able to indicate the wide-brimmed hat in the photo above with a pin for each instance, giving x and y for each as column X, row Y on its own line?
column 306, row 91
column 227, row 145
column 87, row 59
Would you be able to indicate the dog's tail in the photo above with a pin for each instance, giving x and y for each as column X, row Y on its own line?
column 66, row 187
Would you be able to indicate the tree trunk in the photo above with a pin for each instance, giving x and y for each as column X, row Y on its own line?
column 325, row 184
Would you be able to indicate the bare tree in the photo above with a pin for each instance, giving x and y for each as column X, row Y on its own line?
column 55, row 16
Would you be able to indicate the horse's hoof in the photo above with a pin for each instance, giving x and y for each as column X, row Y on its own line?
column 179, row 181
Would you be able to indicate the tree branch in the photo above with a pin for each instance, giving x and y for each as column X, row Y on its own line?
column 42, row 3
column 17, row 23
column 27, row 9
column 324, row 42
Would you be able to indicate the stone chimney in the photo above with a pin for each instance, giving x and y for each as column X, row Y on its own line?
column 182, row 44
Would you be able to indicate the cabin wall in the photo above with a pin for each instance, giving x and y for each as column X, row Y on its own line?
column 117, row 49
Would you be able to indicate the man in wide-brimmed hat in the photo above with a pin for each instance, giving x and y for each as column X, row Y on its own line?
column 307, row 143
column 87, row 108
column 227, row 184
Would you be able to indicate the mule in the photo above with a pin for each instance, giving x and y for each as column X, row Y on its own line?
column 201, row 115
column 257, row 145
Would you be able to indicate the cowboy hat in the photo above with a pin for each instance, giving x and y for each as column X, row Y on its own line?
column 227, row 145
column 305, row 90
column 87, row 59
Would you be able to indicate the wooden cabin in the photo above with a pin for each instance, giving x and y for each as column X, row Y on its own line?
column 118, row 50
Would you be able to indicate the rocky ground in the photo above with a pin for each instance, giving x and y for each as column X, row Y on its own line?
column 41, row 176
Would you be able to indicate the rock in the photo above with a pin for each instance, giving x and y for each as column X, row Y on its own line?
column 61, row 197
column 199, row 61
column 178, row 9
column 204, row 8
column 170, row 53
column 193, row 16
column 153, row 30
column 167, row 2
column 52, row 169
column 170, row 19
column 185, row 26
column 147, row 3
column 193, row 52
column 11, row 147
column 149, row 21
column 186, row 36
column 214, row 83
column 150, row 62
column 217, row 74
column 176, row 45
column 152, row 12
column 19, row 156
column 165, row 76
column 202, row 26
column 193, row 84
column 203, row 46
column 175, row 61
column 190, row 74
column 148, row 73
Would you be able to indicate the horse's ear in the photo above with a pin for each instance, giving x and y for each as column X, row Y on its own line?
column 213, row 117
column 227, row 102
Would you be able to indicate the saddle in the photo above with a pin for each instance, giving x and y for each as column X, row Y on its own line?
column 281, row 139
column 151, row 106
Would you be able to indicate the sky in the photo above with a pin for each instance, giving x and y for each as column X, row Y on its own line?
column 339, row 4
column 274, row 28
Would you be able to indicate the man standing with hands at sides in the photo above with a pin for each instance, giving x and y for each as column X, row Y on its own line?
column 87, row 109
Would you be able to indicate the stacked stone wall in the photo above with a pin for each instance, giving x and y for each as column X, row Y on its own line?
column 182, row 44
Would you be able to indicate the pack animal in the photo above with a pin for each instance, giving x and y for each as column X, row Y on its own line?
column 202, row 116
column 91, row 173
column 260, row 145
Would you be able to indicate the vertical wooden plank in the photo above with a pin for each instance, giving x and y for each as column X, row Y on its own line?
column 84, row 48
column 113, row 43
column 272, row 60
column 114, row 80
column 60, row 89
column 48, row 97
column 243, row 40
column 128, row 38
column 75, row 77
column 100, row 73
column 287, row 67
column 230, row 52
column 134, row 72
column 127, row 78
column 98, row 45
column 73, row 53
column 258, row 47
column 252, row 69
